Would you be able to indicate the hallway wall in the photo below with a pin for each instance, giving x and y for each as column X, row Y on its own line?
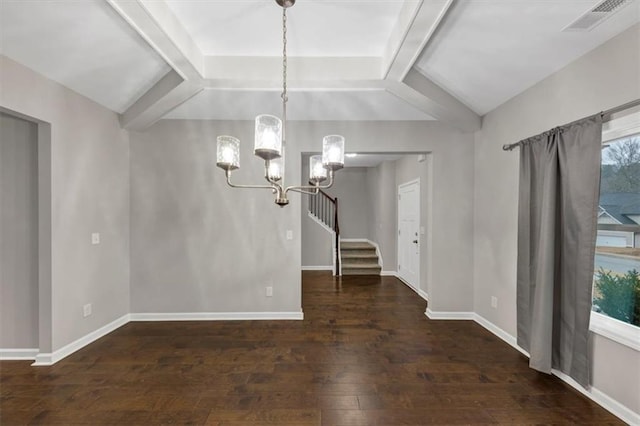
column 18, row 233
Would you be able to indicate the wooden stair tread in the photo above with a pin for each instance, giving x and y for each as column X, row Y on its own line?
column 359, row 256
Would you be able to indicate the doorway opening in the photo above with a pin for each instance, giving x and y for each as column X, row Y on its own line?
column 25, row 243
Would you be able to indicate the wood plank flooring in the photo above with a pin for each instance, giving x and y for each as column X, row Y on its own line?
column 365, row 354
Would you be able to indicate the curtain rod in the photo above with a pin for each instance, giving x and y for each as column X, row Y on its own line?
column 604, row 114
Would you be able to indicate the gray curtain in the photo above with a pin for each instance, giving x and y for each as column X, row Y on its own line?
column 557, row 226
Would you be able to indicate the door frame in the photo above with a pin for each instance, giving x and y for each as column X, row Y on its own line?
column 414, row 286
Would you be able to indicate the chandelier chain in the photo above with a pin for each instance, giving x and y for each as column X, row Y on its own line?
column 284, row 96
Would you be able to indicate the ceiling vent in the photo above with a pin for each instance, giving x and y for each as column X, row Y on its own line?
column 596, row 15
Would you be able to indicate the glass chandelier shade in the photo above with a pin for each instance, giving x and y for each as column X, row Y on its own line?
column 228, row 155
column 275, row 170
column 333, row 152
column 317, row 172
column 268, row 137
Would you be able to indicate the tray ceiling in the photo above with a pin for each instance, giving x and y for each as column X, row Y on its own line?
column 448, row 60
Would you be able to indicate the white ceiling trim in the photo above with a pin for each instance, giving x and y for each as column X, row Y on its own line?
column 314, row 105
column 260, row 68
column 306, row 85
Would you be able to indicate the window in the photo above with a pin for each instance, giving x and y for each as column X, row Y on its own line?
column 616, row 291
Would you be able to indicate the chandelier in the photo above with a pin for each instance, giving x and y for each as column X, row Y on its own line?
column 270, row 144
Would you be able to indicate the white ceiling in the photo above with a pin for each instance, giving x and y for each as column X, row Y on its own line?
column 327, row 105
column 350, row 59
column 489, row 51
column 83, row 45
column 316, row 27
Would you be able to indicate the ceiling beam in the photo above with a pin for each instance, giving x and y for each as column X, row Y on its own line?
column 420, row 23
column 156, row 24
column 399, row 33
column 417, row 24
column 171, row 91
column 430, row 98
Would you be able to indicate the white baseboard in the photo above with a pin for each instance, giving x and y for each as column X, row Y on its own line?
column 439, row 315
column 388, row 274
column 52, row 358
column 614, row 407
column 418, row 291
column 43, row 359
column 511, row 340
column 217, row 316
column 318, row 268
column 18, row 354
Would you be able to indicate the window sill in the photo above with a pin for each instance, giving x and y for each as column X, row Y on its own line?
column 618, row 331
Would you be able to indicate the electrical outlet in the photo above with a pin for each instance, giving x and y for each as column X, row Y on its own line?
column 269, row 291
column 289, row 235
column 95, row 238
column 87, row 309
column 494, row 302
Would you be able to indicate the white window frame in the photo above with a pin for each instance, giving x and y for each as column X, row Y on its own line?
column 603, row 325
column 616, row 330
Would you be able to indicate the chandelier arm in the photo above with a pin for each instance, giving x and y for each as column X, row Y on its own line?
column 233, row 185
column 296, row 188
column 302, row 191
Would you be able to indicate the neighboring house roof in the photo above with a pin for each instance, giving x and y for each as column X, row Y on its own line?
column 619, row 205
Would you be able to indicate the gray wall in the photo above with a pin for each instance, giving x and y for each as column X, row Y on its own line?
column 349, row 188
column 383, row 222
column 89, row 189
column 606, row 77
column 317, row 242
column 18, row 233
column 198, row 245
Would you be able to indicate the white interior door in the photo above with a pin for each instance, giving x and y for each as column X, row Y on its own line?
column 408, row 233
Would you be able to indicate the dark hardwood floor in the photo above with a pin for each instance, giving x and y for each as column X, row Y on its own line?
column 365, row 354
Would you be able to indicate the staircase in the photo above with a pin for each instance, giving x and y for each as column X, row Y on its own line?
column 324, row 209
column 359, row 258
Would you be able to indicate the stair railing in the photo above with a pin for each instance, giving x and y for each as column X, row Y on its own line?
column 325, row 209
